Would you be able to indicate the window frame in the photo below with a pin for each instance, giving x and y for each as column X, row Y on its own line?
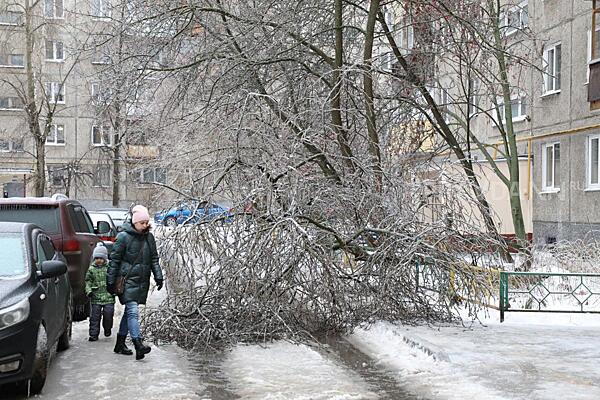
column 56, row 89
column 100, row 169
column 11, row 101
column 521, row 117
column 12, row 147
column 54, row 9
column 54, row 131
column 554, row 78
column 553, row 187
column 102, row 143
column 104, row 5
column 505, row 18
column 588, row 167
column 9, row 57
column 55, row 46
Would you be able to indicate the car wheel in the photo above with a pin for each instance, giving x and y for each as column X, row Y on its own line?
column 170, row 222
column 64, row 341
column 40, row 363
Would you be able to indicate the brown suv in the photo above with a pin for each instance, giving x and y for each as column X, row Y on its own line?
column 69, row 226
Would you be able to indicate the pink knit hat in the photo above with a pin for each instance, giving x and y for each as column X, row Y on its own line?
column 139, row 213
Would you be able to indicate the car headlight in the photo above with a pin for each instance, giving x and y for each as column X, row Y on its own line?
column 14, row 314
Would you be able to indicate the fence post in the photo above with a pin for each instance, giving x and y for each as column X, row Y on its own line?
column 502, row 300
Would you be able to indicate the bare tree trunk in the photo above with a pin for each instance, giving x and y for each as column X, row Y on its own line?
column 512, row 154
column 31, row 107
column 374, row 149
column 336, row 103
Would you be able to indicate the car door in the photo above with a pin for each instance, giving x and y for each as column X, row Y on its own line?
column 52, row 318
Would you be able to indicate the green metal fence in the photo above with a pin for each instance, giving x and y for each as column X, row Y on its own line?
column 578, row 293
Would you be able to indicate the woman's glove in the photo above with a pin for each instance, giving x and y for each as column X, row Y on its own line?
column 159, row 284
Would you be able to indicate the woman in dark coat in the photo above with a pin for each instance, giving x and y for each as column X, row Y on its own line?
column 134, row 256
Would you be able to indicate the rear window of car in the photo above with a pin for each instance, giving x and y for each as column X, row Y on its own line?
column 45, row 217
column 12, row 254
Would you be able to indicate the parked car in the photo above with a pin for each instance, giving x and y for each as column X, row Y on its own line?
column 35, row 304
column 109, row 237
column 192, row 212
column 118, row 215
column 70, row 227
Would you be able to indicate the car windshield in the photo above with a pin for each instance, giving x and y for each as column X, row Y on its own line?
column 44, row 217
column 12, row 254
column 118, row 216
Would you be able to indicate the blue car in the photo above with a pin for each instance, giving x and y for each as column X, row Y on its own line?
column 192, row 213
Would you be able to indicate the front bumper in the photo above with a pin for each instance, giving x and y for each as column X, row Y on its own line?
column 17, row 348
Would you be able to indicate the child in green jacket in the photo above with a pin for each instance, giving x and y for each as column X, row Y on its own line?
column 103, row 303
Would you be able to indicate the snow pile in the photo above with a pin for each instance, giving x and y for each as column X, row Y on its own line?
column 292, row 372
column 424, row 369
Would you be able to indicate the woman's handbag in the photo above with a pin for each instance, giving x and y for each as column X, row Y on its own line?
column 120, row 282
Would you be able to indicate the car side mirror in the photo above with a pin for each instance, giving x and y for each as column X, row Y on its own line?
column 52, row 269
column 103, row 228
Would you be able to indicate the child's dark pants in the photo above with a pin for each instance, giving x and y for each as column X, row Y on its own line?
column 104, row 311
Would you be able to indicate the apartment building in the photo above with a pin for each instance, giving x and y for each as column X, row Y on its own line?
column 555, row 104
column 92, row 131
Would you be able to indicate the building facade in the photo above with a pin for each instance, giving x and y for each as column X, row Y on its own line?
column 59, row 58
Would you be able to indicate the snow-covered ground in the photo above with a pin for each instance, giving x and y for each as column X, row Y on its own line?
column 529, row 356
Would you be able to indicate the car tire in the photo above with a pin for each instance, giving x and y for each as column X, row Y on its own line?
column 40, row 363
column 170, row 222
column 64, row 341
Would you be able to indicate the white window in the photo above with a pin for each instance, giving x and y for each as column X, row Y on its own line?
column 56, row 135
column 55, row 92
column 11, row 145
column 514, row 18
column 518, row 108
column 100, row 94
column 54, row 51
column 552, row 68
column 101, row 135
column 407, row 35
column 152, row 175
column 54, row 9
column 11, row 18
column 551, row 167
column 473, row 101
column 101, row 56
column 101, row 176
column 12, row 60
column 593, row 171
column 101, row 9
column 11, row 103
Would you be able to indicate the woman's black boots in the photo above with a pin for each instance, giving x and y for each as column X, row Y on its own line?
column 140, row 348
column 121, row 348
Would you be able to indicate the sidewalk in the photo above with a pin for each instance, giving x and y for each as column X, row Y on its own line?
column 529, row 356
column 90, row 370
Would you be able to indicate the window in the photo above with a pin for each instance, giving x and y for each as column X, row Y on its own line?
column 407, row 35
column 551, row 166
column 100, row 135
column 81, row 221
column 101, row 9
column 11, row 18
column 12, row 60
column 592, row 163
column 57, row 175
column 55, row 92
column 54, row 51
column 54, row 9
column 101, row 56
column 152, row 175
column 11, row 145
column 56, row 135
column 100, row 94
column 444, row 103
column 473, row 101
column 514, row 18
column 552, row 61
column 11, row 103
column 518, row 108
column 101, row 176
